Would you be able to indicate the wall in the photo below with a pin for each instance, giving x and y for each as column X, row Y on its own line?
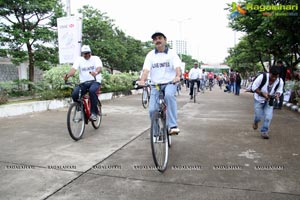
column 9, row 71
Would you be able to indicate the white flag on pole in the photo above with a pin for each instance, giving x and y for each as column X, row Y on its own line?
column 69, row 38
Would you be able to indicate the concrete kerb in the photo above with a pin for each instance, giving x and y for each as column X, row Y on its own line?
column 16, row 109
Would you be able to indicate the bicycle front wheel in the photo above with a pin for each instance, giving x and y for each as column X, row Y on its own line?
column 96, row 124
column 159, row 142
column 195, row 94
column 75, row 121
column 145, row 97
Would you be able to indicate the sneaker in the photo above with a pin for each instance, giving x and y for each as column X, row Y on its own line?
column 265, row 135
column 191, row 98
column 93, row 117
column 174, row 131
column 255, row 125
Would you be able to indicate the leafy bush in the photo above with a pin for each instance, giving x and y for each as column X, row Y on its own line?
column 110, row 83
column 118, row 82
column 17, row 87
column 53, row 85
column 54, row 94
column 55, row 76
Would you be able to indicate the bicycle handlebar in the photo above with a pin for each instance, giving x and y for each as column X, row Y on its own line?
column 156, row 84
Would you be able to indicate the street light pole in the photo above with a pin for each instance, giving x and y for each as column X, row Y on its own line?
column 68, row 8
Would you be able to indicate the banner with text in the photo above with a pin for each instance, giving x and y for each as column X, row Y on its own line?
column 69, row 38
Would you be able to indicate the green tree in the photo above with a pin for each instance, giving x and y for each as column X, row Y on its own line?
column 117, row 51
column 244, row 57
column 274, row 37
column 26, row 27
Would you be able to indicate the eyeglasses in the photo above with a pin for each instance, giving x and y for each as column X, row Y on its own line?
column 87, row 53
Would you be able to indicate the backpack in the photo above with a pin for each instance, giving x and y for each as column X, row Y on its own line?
column 263, row 82
column 238, row 79
column 231, row 76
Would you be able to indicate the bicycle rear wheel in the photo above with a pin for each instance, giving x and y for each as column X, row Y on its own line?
column 145, row 97
column 96, row 124
column 75, row 121
column 159, row 142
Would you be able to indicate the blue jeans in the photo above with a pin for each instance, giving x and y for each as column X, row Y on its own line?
column 263, row 111
column 231, row 86
column 90, row 87
column 170, row 100
column 202, row 84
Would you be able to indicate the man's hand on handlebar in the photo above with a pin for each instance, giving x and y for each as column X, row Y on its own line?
column 66, row 77
column 94, row 74
column 141, row 83
column 176, row 79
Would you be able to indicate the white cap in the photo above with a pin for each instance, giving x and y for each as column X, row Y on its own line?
column 85, row 49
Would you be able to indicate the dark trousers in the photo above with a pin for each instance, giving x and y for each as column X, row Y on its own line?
column 237, row 89
column 91, row 87
column 192, row 82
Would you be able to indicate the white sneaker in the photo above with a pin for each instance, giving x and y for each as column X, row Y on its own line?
column 174, row 131
column 93, row 117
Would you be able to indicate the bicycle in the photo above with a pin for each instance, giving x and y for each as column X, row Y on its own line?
column 159, row 133
column 195, row 89
column 211, row 84
column 79, row 114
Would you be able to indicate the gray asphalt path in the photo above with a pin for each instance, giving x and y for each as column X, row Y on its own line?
column 216, row 156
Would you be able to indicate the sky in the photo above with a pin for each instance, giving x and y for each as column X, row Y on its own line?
column 203, row 24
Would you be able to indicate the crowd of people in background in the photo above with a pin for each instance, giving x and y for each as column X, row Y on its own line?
column 204, row 77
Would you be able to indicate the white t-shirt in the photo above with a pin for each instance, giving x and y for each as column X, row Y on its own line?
column 195, row 73
column 162, row 65
column 264, row 89
column 204, row 75
column 86, row 66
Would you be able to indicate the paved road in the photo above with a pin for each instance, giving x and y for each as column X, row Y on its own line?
column 217, row 155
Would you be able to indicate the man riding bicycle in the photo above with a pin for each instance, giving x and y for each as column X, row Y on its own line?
column 195, row 74
column 163, row 64
column 89, row 74
column 210, row 76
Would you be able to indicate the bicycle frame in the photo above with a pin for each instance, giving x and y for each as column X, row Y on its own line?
column 86, row 102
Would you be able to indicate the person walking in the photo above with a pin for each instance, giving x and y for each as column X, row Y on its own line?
column 264, row 99
column 238, row 81
column 232, row 80
column 163, row 64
